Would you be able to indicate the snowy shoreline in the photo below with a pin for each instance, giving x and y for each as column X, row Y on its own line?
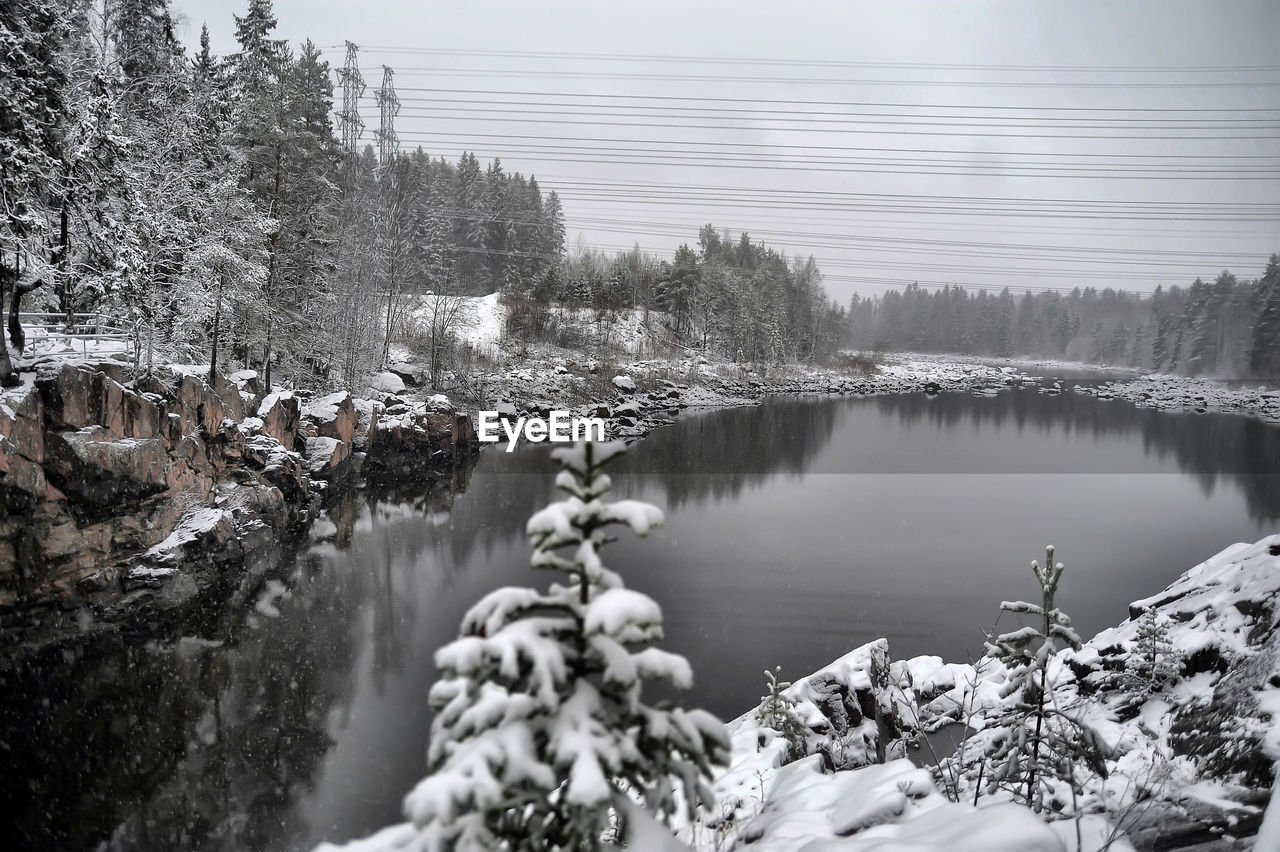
column 647, row 394
column 1190, row 760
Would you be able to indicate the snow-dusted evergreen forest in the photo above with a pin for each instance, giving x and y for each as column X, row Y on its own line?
column 207, row 204
column 1229, row 328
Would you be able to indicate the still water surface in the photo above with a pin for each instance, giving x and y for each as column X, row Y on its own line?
column 795, row 531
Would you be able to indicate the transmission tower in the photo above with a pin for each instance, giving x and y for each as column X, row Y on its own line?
column 352, row 89
column 388, row 106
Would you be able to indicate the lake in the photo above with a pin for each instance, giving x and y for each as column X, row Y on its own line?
column 795, row 531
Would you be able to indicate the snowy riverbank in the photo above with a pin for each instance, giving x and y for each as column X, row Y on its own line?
column 1190, row 758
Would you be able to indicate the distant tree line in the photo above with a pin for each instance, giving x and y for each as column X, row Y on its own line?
column 738, row 299
column 1227, row 328
column 206, row 202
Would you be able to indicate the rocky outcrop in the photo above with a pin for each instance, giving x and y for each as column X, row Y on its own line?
column 281, row 415
column 110, row 486
column 332, row 416
column 99, row 481
column 402, row 438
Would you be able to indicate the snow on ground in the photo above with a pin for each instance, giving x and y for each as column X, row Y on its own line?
column 482, row 323
column 1192, row 753
column 1190, row 758
column 894, row 805
column 1166, row 391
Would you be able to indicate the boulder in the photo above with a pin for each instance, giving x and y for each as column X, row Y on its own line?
column 625, row 384
column 367, row 414
column 199, row 407
column 387, row 382
column 247, row 382
column 282, row 468
column 280, row 413
column 334, row 416
column 101, row 473
column 325, row 455
column 411, row 376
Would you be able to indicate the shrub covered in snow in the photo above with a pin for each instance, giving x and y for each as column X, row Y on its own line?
column 1034, row 747
column 540, row 728
column 777, row 711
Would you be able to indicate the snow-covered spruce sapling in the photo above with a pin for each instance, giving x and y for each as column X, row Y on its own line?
column 1034, row 743
column 777, row 711
column 540, row 726
column 1153, row 661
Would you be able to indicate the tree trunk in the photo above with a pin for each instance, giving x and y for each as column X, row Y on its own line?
column 16, row 337
column 8, row 378
column 62, row 260
column 266, row 354
column 217, row 322
column 271, row 266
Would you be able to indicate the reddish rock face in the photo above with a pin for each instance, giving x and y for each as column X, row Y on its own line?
column 101, row 473
column 367, row 416
column 325, row 455
column 281, row 413
column 93, row 472
column 334, row 416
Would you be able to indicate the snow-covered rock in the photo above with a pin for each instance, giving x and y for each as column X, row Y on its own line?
column 368, row 413
column 325, row 455
column 626, row 384
column 280, row 413
column 894, row 805
column 1183, row 393
column 387, row 382
column 334, row 416
column 1191, row 755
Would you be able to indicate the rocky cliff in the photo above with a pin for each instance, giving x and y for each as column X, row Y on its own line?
column 123, row 498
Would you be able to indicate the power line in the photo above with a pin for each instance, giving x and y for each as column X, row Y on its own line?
column 622, row 157
column 453, row 71
column 826, row 63
column 983, row 131
column 829, row 162
column 843, row 116
column 465, row 93
column 467, row 139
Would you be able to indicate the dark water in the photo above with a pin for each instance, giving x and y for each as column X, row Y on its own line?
column 795, row 531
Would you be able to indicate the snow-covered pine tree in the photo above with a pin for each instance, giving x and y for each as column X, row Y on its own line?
column 777, row 711
column 1153, row 662
column 1033, row 743
column 540, row 726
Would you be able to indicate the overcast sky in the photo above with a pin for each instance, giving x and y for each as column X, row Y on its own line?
column 986, row 144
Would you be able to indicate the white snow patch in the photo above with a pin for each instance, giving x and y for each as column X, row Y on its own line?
column 192, row 525
column 387, row 383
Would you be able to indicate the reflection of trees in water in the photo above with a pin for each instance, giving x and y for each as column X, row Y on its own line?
column 725, row 451
column 717, row 455
column 182, row 743
column 1208, row 447
column 205, row 743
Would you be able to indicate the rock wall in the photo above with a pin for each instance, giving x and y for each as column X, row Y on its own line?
column 117, row 494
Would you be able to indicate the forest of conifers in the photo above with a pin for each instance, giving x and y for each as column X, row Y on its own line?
column 1228, row 328
column 207, row 205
